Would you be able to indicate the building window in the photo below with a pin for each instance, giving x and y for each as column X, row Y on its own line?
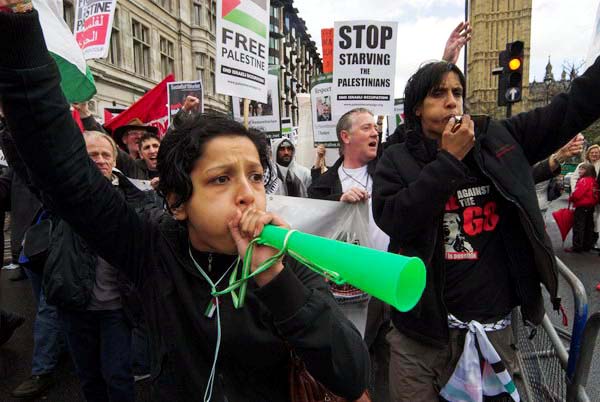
column 167, row 58
column 211, row 15
column 141, row 48
column 212, row 85
column 166, row 4
column 202, row 71
column 114, row 50
column 197, row 16
column 69, row 14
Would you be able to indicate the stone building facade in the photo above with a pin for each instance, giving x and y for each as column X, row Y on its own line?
column 541, row 93
column 152, row 38
column 495, row 23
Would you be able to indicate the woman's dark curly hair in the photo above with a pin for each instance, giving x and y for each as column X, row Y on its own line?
column 183, row 146
column 427, row 78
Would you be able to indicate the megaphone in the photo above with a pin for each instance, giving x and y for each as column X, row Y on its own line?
column 392, row 278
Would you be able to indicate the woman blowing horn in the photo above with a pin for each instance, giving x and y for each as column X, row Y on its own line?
column 211, row 175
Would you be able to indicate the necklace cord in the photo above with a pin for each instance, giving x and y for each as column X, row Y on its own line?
column 365, row 186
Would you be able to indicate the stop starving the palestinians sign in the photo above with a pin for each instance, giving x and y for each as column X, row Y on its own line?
column 364, row 66
column 243, row 48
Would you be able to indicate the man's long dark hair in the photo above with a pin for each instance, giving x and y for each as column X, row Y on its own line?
column 182, row 147
column 427, row 78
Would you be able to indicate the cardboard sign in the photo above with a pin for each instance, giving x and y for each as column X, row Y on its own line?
column 364, row 66
column 322, row 117
column 263, row 116
column 243, row 48
column 177, row 92
column 327, row 45
column 93, row 26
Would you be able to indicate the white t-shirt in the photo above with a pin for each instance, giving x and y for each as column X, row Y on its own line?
column 360, row 178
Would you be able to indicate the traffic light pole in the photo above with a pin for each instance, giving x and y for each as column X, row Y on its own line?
column 508, row 110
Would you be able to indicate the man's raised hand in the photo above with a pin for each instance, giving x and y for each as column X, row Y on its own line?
column 458, row 38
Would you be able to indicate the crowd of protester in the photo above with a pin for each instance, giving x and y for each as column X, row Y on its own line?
column 127, row 281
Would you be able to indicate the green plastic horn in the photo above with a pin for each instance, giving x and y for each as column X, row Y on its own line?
column 392, row 278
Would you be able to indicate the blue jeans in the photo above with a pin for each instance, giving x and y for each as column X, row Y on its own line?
column 140, row 350
column 48, row 334
column 100, row 345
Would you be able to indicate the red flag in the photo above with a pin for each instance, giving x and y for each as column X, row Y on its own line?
column 327, row 44
column 150, row 108
column 107, row 116
column 77, row 118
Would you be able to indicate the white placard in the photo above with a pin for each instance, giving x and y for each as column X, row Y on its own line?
column 322, row 117
column 397, row 118
column 243, row 48
column 262, row 116
column 93, row 26
column 364, row 66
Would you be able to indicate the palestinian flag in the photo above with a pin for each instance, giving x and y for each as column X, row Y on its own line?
column 77, row 82
column 243, row 13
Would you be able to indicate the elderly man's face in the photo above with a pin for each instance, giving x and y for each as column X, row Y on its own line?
column 102, row 153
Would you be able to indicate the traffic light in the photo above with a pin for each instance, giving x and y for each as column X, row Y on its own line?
column 510, row 73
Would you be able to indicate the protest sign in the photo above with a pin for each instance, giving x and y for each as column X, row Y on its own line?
column 594, row 48
column 323, row 123
column 286, row 127
column 364, row 66
column 262, row 116
column 150, row 109
column 243, row 48
column 93, row 26
column 327, row 45
column 398, row 117
column 178, row 91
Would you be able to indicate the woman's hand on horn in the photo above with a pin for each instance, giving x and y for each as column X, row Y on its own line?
column 247, row 225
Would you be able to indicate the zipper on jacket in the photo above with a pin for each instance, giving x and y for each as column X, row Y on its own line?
column 528, row 228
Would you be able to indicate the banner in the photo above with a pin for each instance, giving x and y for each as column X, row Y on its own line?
column 594, row 49
column 93, row 26
column 263, row 116
column 397, row 118
column 332, row 219
column 150, row 109
column 327, row 45
column 243, row 48
column 364, row 66
column 323, row 123
column 177, row 92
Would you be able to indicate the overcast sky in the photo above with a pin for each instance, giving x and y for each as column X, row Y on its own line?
column 559, row 28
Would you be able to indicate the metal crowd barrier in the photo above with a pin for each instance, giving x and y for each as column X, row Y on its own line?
column 547, row 356
column 582, row 368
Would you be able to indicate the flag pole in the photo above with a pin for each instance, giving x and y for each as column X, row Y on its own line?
column 246, row 111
